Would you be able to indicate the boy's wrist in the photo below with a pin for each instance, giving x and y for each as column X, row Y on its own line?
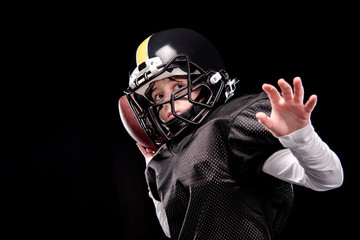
column 298, row 138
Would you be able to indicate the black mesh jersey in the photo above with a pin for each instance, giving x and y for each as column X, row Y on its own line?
column 210, row 182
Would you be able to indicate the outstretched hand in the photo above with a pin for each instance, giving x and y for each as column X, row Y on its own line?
column 288, row 112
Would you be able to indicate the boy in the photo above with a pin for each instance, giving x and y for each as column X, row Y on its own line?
column 221, row 166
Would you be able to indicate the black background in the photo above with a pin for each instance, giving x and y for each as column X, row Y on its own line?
column 69, row 169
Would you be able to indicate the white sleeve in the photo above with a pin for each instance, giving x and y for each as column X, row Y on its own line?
column 160, row 210
column 306, row 161
column 161, row 215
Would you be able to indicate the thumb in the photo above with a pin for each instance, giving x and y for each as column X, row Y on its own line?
column 146, row 152
column 264, row 120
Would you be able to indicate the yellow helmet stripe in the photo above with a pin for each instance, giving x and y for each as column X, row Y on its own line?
column 142, row 53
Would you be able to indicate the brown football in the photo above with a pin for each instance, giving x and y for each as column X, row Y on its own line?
column 132, row 125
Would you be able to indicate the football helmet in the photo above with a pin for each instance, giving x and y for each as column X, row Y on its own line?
column 171, row 53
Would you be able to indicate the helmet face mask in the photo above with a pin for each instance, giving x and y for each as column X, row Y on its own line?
column 147, row 111
column 201, row 66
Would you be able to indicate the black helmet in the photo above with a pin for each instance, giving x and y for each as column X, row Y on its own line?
column 166, row 54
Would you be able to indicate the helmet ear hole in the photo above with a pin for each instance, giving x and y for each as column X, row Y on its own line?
column 142, row 66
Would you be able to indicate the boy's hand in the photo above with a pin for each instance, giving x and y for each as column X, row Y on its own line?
column 288, row 112
column 146, row 152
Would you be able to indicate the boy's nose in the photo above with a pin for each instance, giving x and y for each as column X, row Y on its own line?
column 167, row 95
column 167, row 105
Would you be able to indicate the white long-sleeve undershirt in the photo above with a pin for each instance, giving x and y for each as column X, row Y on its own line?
column 306, row 161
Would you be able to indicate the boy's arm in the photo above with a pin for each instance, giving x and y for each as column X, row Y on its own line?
column 159, row 208
column 307, row 161
column 161, row 215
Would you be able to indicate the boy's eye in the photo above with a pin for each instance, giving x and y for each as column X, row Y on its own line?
column 178, row 86
column 158, row 97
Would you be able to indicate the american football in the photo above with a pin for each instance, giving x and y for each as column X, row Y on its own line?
column 132, row 126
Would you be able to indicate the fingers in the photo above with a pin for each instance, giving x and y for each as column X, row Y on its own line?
column 141, row 148
column 272, row 92
column 146, row 152
column 310, row 104
column 264, row 120
column 286, row 89
column 288, row 95
column 298, row 90
column 298, row 94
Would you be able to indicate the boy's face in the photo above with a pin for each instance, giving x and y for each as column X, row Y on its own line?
column 162, row 91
